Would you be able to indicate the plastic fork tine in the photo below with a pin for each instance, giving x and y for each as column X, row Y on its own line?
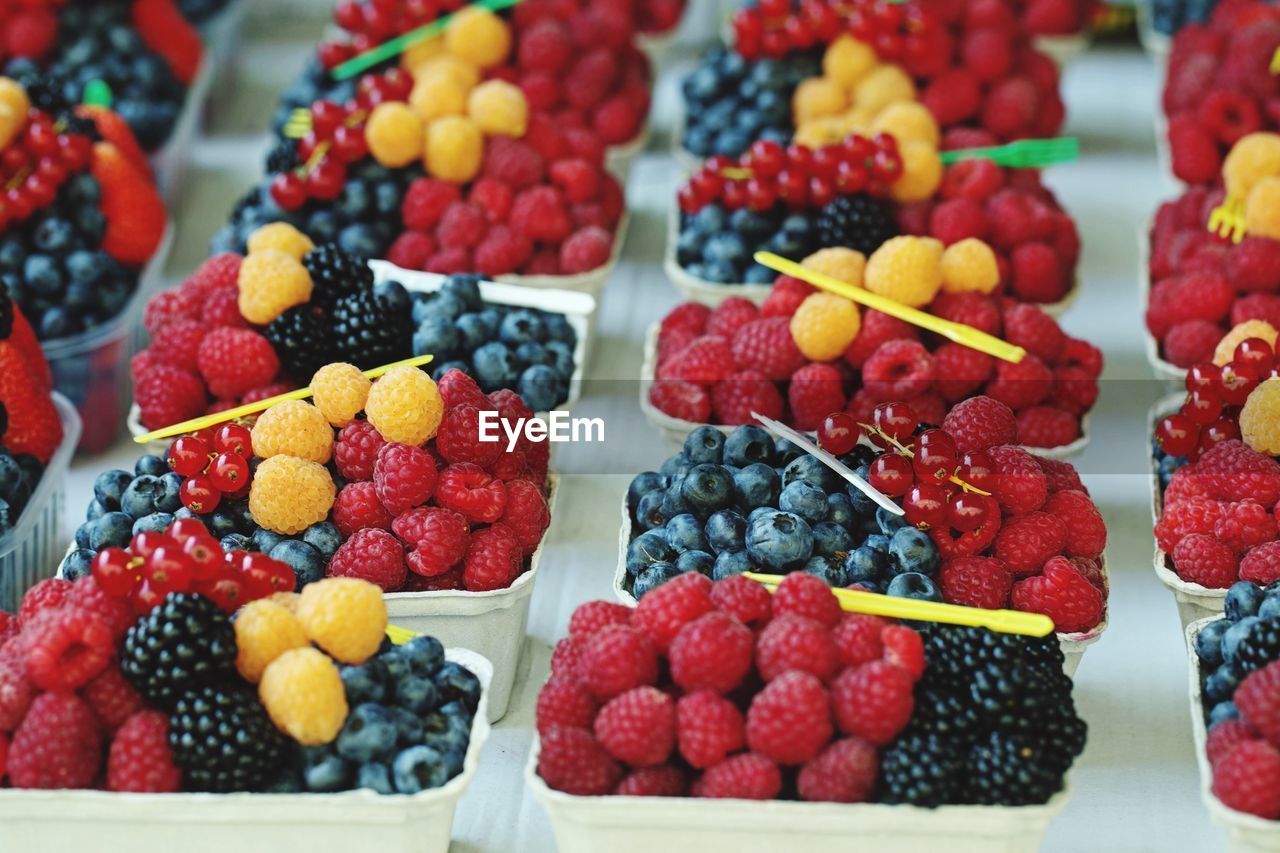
column 1022, row 154
column 1227, row 220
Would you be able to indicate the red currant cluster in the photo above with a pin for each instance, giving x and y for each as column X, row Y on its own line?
column 775, row 28
column 1211, row 412
column 186, row 558
column 798, row 176
column 335, row 140
column 215, row 463
column 36, row 164
column 371, row 22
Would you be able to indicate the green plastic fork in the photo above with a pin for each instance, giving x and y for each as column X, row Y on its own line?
column 1022, row 154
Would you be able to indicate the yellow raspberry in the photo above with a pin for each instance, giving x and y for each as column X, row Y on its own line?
column 1262, row 209
column 884, row 85
column 304, row 696
column 465, row 74
column 908, row 121
column 394, row 134
column 454, row 150
column 344, row 616
column 283, row 237
column 271, row 282
column 1253, row 158
column 264, row 631
column 404, row 405
column 847, row 265
column 420, row 53
column 1260, row 418
column 499, row 108
column 906, row 269
column 921, row 173
column 1225, row 352
column 289, row 494
column 969, row 265
column 287, row 600
column 339, row 391
column 821, row 132
column 437, row 95
column 14, row 107
column 478, row 36
column 824, row 325
column 818, row 97
column 847, row 60
column 293, row 428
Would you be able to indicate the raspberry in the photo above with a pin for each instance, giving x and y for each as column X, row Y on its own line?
column 356, row 450
column 689, row 316
column 493, row 197
column 339, row 391
column 906, row 269
column 807, row 595
column 708, row 728
column 682, row 400
column 1020, row 484
column 411, row 250
column 140, row 760
column 1182, row 485
column 48, row 594
column 544, row 46
column 1224, row 736
column 275, row 389
column 960, row 371
column 1253, row 264
column 1038, row 275
column 1046, row 426
column 1181, row 519
column 282, row 237
column 1191, row 342
column 178, row 341
column 404, row 477
column 1010, row 107
column 468, row 489
column 573, row 761
column 564, row 702
column 767, row 347
column 744, row 599
column 219, row 272
column 346, row 617
column 449, row 261
column 540, row 213
column 586, row 249
column 663, row 612
column 1232, row 471
column 454, row 149
column 1257, row 306
column 457, row 388
column 972, row 309
column 713, row 652
column 565, row 658
column 898, row 370
column 980, row 423
column 785, row 297
column 220, row 308
column 303, row 694
column 704, row 361
column 167, row 395
column 873, row 701
column 527, row 514
column 289, row 495
column 844, row 772
column 1248, row 779
column 1086, row 531
column 1029, row 327
column 372, row 555
column 425, row 202
column 1022, row 385
column 112, row 698
column 1026, row 542
column 1256, row 697
column 734, row 398
column 617, row 658
column 969, row 265
column 463, row 225
column 795, row 643
column 264, row 631
column 66, row 647
column 293, row 428
column 579, row 180
column 958, row 220
column 816, row 390
column 591, row 616
column 16, row 693
column 357, row 508
column 1258, row 418
column 1074, row 390
column 405, row 406
column 170, row 306
column 877, row 329
column 789, row 720
column 857, row 639
column 638, row 727
column 458, row 438
column 747, row 776
column 58, row 745
column 502, row 251
column 271, row 283
column 824, row 325
column 975, row 582
column 662, row 781
column 493, row 559
column 439, row 539
column 904, row 649
column 1062, row 594
column 1261, row 564
column 513, row 163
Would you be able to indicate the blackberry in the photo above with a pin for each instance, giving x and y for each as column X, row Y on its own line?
column 1012, row 770
column 283, row 157
column 300, row 339
column 859, row 222
column 336, row 274
column 368, row 332
column 921, row 768
column 224, row 741
column 1259, row 647
column 183, row 644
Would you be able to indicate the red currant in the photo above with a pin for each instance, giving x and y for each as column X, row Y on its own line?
column 1236, row 387
column 926, row 505
column 234, row 438
column 839, row 433
column 146, row 598
column 1218, row 431
column 226, row 592
column 113, row 569
column 967, row 512
column 349, row 144
column 933, row 466
column 327, row 180
column 766, row 158
column 1253, row 358
column 229, row 472
column 1204, row 376
column 891, row 474
column 896, row 420
column 205, row 554
column 187, row 528
column 978, row 469
column 189, row 456
column 168, row 569
column 1202, row 407
column 1178, row 435
column 199, row 495
column 143, row 544
column 289, row 190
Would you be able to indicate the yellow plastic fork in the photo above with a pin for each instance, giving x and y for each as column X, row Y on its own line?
column 1227, row 219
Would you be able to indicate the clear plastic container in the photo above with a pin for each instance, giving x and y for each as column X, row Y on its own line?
column 169, row 163
column 30, row 552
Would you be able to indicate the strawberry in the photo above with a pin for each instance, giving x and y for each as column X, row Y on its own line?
column 136, row 216
column 166, row 31
column 34, row 426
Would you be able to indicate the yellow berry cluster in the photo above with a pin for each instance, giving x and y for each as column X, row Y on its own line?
column 14, row 107
column 272, row 278
column 1251, row 173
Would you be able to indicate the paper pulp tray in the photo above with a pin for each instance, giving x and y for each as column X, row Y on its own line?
column 691, row 825
column 1062, row 49
column 36, row 821
column 1246, row 833
column 492, row 623
column 1163, row 369
column 618, row 158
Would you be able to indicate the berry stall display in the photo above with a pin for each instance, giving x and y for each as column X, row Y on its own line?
column 803, row 354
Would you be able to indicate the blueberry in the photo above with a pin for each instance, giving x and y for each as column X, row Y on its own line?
column 758, row 274
column 865, row 564
column 236, row 542
column 77, row 564
column 84, row 533
column 756, row 485
column 1234, row 634
column 726, row 531
column 376, row 777
column 911, row 550
column 809, row 470
column 437, row 336
column 695, row 561
column 840, row 510
column 1220, row 686
column 221, row 522
column 1270, row 608
column 828, row 569
column 265, row 540
column 541, row 388
column 863, row 505
column 109, row 486
column 396, row 665
column 425, row 655
column 675, row 466
column 1243, row 599
column 805, row 500
column 653, row 576
column 830, row 539
column 641, row 485
column 364, row 682
column 307, row 563
column 419, row 768
column 1222, row 712
column 520, row 326
column 730, row 563
column 649, row 512
column 707, row 488
column 561, row 355
column 140, row 496
column 469, row 331
column 41, row 274
column 889, row 522
column 779, row 541
column 530, row 353
column 559, row 329
column 710, row 218
column 409, row 727
column 785, row 452
column 393, row 297
column 877, row 542
column 684, row 533
column 914, row 585
column 417, row 694
column 458, row 684
column 495, row 366
column 53, row 235
column 112, row 530
column 705, row 445
column 324, row 537
column 157, row 522
column 717, row 272
column 466, row 288
column 327, row 772
column 369, row 732
column 673, row 500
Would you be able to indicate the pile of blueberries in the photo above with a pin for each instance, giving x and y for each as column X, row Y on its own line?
column 718, row 245
column 1169, row 16
column 731, row 102
column 409, row 725
column 53, row 267
column 745, row 502
column 1247, row 638
column 1166, row 465
column 525, row 349
column 20, row 474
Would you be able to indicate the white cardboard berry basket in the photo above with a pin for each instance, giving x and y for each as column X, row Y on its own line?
column 1163, row 369
column 1246, row 833
column 690, row 825
column 37, row 821
column 1064, row 48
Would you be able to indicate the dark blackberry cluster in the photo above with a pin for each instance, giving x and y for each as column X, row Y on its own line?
column 298, row 337
column 994, row 723
column 184, row 644
column 718, row 245
column 1259, row 645
column 1247, row 638
column 336, row 274
column 857, row 221
column 372, row 329
column 224, row 741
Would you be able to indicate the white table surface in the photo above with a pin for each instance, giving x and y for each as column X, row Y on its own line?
column 1136, row 787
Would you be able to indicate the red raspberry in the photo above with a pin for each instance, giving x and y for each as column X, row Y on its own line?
column 502, row 251
column 112, row 699
column 586, row 249
column 449, row 261
column 766, row 346
column 439, row 539
column 795, row 644
column 1026, row 542
column 58, row 744
column 404, row 477
column 958, row 219
column 140, row 760
column 16, row 693
column 357, row 508
column 493, row 560
column 975, row 582
column 587, row 145
column 954, row 96
column 682, row 400
column 735, row 397
column 458, row 389
column 845, row 772
column 952, row 544
column 1253, row 264
column 565, row 658
column 514, row 163
column 1022, row 385
column 579, row 180
column 790, row 719
column 462, row 226
column 747, row 776
column 971, row 309
column 66, row 647
column 221, row 309
column 1182, row 485
column 980, row 423
column 540, row 213
column 730, row 316
column 371, row 555
column 1224, row 736
column 1191, row 342
column 526, row 513
column 178, row 342
column 877, row 330
column 1030, row 328
column 816, row 390
column 1201, row 296
column 713, row 652
column 591, row 616
column 1010, row 214
column 168, row 395
column 1046, row 427
column 411, row 250
column 355, row 452
column 617, row 120
column 897, row 370
column 1233, row 471
column 858, row 639
column 1086, row 530
column 976, row 179
column 638, row 727
column 873, row 701
column 1193, row 150
column 1020, row 484
column 48, row 594
column 617, row 658
column 689, row 316
column 170, row 306
column 1038, row 274
column 704, row 361
column 1261, row 564
column 589, row 79
column 1062, row 594
column 1010, row 107
column 564, row 702
column 1248, row 779
column 275, row 389
column 1074, row 390
column 662, row 781
column 458, row 438
column 664, row 611
column 219, row 272
column 785, row 297
column 1188, row 516
column 141, row 363
column 1061, row 476
column 743, row 598
column 235, row 361
column 1258, row 698
column 493, row 197
column 1256, row 306
column 571, row 760
column 806, row 595
column 708, row 728
column 470, row 490
column 960, row 371
column 545, row 46
column 425, row 202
